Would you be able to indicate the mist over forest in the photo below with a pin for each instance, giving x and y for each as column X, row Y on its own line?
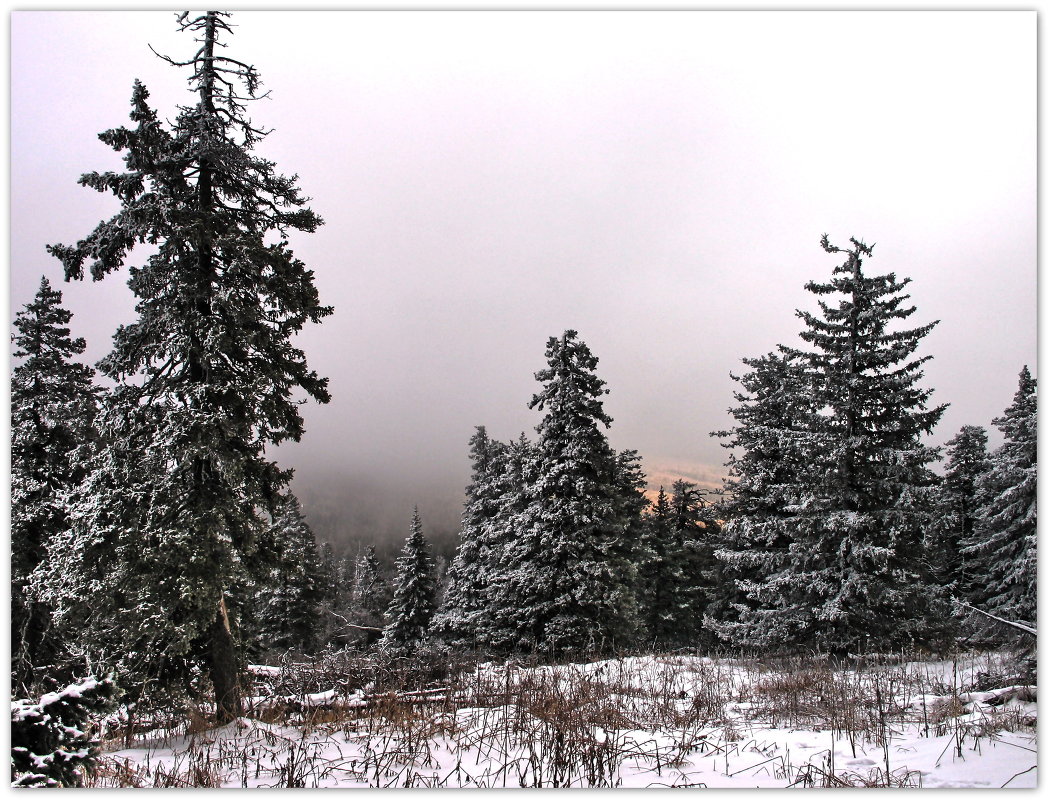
column 626, row 402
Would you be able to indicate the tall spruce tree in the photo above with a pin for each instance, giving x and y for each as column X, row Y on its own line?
column 207, row 376
column 53, row 410
column 1003, row 544
column 571, row 576
column 853, row 575
column 415, row 587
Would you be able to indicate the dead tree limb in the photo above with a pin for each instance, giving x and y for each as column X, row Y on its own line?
column 1021, row 626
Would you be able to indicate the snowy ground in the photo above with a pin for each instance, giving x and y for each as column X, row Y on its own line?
column 638, row 722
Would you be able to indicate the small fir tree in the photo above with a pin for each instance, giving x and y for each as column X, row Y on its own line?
column 289, row 599
column 505, row 627
column 661, row 574
column 53, row 410
column 767, row 476
column 333, row 592
column 694, row 538
column 51, row 740
column 369, row 599
column 413, row 605
column 465, row 606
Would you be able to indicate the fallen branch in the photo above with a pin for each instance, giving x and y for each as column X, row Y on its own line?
column 1020, row 626
column 347, row 624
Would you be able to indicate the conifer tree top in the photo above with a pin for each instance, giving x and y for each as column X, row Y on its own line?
column 570, row 384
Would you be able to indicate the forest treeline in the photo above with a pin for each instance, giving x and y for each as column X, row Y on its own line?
column 154, row 541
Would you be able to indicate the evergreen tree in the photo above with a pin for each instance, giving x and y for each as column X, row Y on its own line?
column 333, row 592
column 768, row 473
column 694, row 531
column 660, row 573
column 1003, row 545
column 413, row 605
column 680, row 568
column 504, row 627
column 291, row 594
column 465, row 606
column 572, row 586
column 51, row 743
column 629, row 546
column 958, row 504
column 853, row 574
column 53, row 409
column 206, row 375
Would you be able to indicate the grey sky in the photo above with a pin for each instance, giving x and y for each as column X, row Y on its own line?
column 658, row 181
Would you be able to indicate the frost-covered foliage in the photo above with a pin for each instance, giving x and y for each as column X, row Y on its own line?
column 495, row 626
column 1003, row 545
column 51, row 741
column 207, row 376
column 552, row 532
column 767, row 475
column 571, row 566
column 958, row 507
column 846, row 571
column 287, row 601
column 415, row 589
column 53, row 409
column 464, row 609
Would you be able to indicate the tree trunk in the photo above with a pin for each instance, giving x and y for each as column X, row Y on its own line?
column 224, row 668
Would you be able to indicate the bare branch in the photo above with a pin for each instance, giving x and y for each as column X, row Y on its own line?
column 1021, row 626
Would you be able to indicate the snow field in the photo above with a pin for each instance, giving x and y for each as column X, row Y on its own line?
column 638, row 722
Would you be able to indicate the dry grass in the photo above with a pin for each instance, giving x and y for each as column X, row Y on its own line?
column 436, row 722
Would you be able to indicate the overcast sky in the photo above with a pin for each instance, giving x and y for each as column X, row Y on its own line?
column 658, row 181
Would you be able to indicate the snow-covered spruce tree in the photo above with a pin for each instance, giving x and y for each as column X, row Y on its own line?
column 207, row 376
column 412, row 608
column 464, row 608
column 51, row 742
column 505, row 627
column 1003, row 544
column 768, row 466
column 958, row 506
column 853, row 576
column 53, row 409
column 857, row 557
column 571, row 577
column 287, row 602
